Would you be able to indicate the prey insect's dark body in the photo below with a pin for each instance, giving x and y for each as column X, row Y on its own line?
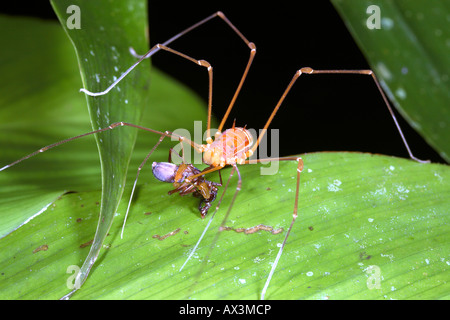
column 199, row 187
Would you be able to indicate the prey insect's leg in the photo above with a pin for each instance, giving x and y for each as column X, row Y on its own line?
column 182, row 153
column 220, row 177
column 308, row 70
column 294, row 214
column 205, row 171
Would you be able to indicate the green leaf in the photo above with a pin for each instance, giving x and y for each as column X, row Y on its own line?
column 355, row 210
column 410, row 56
column 104, row 40
column 39, row 91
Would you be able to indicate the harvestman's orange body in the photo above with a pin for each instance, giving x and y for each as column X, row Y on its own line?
column 231, row 147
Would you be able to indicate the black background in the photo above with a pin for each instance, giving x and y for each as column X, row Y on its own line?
column 321, row 113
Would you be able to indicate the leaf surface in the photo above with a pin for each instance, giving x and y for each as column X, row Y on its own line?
column 410, row 55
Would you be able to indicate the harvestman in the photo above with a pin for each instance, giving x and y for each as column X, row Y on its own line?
column 231, row 147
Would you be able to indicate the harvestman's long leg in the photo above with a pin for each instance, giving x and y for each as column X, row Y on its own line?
column 164, row 45
column 294, row 214
column 202, row 63
column 149, row 53
column 110, row 127
column 213, row 243
column 215, row 211
column 181, row 157
column 238, row 188
column 308, row 70
column 225, row 218
column 163, row 135
column 299, row 72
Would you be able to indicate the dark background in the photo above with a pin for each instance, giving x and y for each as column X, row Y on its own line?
column 321, row 113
